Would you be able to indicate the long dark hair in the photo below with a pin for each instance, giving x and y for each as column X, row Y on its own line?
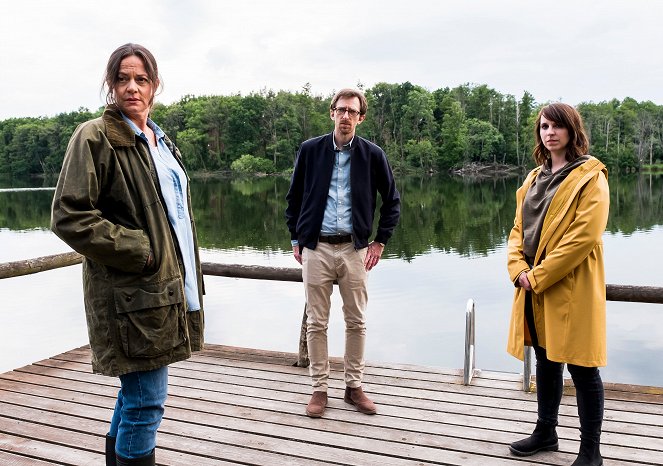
column 567, row 117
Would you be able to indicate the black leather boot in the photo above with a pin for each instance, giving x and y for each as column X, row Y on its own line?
column 110, row 451
column 589, row 455
column 142, row 461
column 544, row 438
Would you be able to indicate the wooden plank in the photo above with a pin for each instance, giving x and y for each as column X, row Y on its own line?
column 408, row 419
column 46, row 451
column 438, row 412
column 467, row 420
column 38, row 422
column 232, row 355
column 453, row 394
column 11, row 459
column 294, row 375
column 228, row 406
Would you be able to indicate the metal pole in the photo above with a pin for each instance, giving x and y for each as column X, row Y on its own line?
column 527, row 369
column 469, row 365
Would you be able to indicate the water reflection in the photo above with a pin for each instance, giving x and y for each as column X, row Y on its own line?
column 465, row 217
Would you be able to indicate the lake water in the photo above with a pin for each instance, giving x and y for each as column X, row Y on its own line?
column 449, row 247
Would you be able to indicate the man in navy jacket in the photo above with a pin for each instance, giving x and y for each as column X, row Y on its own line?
column 331, row 206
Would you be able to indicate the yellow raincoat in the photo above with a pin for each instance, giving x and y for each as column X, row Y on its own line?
column 568, row 279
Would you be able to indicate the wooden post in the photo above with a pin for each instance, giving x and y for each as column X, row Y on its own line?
column 302, row 357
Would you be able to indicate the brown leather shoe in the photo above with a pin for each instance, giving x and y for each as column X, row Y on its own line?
column 356, row 397
column 316, row 407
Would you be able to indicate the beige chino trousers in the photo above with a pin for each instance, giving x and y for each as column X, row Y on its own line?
column 329, row 262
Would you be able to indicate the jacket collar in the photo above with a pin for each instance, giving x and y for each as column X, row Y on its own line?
column 564, row 196
column 118, row 132
column 330, row 144
column 347, row 146
column 591, row 167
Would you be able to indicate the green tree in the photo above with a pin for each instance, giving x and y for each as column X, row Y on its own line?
column 420, row 154
column 190, row 143
column 453, row 132
column 483, row 141
column 29, row 148
column 524, row 124
column 282, row 128
column 249, row 164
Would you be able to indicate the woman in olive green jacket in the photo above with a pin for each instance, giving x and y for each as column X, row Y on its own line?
column 123, row 202
column 555, row 260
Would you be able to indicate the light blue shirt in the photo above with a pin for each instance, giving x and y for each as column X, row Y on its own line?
column 338, row 212
column 173, row 183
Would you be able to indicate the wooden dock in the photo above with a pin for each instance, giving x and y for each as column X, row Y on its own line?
column 240, row 406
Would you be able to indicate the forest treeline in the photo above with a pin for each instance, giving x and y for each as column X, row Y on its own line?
column 420, row 130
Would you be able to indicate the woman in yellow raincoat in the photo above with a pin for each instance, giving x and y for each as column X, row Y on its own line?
column 555, row 260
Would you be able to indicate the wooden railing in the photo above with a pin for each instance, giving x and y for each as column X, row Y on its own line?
column 39, row 264
column 627, row 293
column 42, row 264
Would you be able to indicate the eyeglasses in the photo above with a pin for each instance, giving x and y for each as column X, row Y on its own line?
column 340, row 111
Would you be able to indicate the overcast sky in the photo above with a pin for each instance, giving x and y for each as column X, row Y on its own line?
column 53, row 53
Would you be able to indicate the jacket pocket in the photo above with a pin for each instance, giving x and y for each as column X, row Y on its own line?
column 150, row 318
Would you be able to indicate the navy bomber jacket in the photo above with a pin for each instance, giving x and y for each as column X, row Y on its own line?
column 370, row 174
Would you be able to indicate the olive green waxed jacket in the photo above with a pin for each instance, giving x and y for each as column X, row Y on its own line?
column 108, row 207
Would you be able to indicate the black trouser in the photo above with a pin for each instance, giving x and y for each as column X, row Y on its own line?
column 550, row 384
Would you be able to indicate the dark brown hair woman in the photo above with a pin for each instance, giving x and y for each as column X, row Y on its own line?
column 555, row 261
column 123, row 202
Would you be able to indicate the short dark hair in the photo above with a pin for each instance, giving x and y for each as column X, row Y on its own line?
column 349, row 93
column 113, row 68
column 567, row 117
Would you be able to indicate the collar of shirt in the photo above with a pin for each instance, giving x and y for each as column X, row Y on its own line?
column 347, row 146
column 153, row 126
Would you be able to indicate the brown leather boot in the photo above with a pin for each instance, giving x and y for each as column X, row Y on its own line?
column 356, row 397
column 316, row 407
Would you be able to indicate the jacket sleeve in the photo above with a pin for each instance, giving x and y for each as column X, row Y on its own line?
column 294, row 196
column 390, row 210
column 582, row 235
column 76, row 217
column 516, row 263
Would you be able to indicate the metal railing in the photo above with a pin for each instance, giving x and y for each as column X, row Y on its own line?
column 527, row 369
column 470, row 360
column 624, row 293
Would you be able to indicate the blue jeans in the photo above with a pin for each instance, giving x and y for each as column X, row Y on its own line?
column 138, row 412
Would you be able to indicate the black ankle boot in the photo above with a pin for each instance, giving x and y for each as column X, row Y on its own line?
column 142, row 461
column 110, row 451
column 544, row 438
column 589, row 455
